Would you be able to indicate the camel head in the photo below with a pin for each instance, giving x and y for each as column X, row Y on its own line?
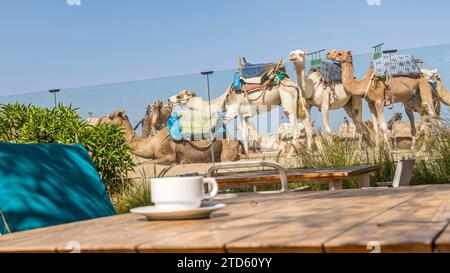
column 340, row 56
column 156, row 111
column 118, row 118
column 298, row 57
column 431, row 75
column 155, row 106
column 182, row 98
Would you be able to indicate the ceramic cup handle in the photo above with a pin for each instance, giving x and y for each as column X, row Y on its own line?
column 212, row 186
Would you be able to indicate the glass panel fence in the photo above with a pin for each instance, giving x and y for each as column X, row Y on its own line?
column 136, row 96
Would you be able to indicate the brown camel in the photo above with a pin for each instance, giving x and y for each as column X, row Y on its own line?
column 163, row 150
column 156, row 120
column 410, row 91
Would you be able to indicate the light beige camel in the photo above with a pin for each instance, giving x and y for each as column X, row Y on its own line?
column 285, row 94
column 246, row 105
column 408, row 90
column 321, row 95
column 163, row 150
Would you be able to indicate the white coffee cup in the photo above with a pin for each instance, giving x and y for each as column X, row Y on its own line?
column 175, row 193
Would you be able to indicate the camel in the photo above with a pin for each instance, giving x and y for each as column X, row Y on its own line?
column 410, row 91
column 157, row 118
column 242, row 105
column 286, row 93
column 433, row 77
column 321, row 95
column 163, row 150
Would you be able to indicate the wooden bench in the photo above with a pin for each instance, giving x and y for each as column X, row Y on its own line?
column 331, row 176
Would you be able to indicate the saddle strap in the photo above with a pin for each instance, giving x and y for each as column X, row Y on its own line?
column 388, row 94
column 368, row 85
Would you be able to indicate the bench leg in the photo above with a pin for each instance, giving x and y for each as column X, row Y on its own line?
column 335, row 185
column 364, row 181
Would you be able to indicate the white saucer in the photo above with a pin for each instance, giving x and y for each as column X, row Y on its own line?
column 154, row 213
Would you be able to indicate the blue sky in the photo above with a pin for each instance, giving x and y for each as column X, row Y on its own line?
column 46, row 44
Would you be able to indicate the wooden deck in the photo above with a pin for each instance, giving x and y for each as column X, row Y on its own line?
column 408, row 219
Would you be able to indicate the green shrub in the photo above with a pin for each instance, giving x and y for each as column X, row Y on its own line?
column 432, row 165
column 21, row 123
column 131, row 196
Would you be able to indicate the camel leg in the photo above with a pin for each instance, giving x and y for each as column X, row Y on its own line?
column 379, row 107
column 308, row 127
column 244, row 132
column 427, row 102
column 354, row 110
column 410, row 113
column 289, row 98
column 376, row 127
column 324, row 107
column 307, row 120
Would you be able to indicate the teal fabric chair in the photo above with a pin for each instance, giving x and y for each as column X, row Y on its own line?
column 49, row 184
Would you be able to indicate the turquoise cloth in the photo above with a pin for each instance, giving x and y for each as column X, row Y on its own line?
column 195, row 125
column 174, row 127
column 49, row 184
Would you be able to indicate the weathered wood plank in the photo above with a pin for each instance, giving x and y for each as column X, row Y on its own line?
column 411, row 226
column 316, row 222
column 442, row 243
column 124, row 233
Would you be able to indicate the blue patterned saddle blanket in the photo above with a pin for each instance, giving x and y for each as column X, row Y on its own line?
column 331, row 72
column 395, row 66
column 253, row 70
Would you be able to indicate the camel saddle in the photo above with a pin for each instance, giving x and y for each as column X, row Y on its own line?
column 396, row 66
column 330, row 72
column 258, row 76
column 256, row 73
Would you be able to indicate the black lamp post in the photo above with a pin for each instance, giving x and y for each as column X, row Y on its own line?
column 54, row 91
column 207, row 73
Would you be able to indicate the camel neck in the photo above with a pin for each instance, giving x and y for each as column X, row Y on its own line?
column 352, row 86
column 440, row 87
column 300, row 71
column 305, row 83
column 130, row 134
column 198, row 103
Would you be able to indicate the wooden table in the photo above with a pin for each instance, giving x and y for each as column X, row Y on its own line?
column 408, row 219
column 331, row 176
